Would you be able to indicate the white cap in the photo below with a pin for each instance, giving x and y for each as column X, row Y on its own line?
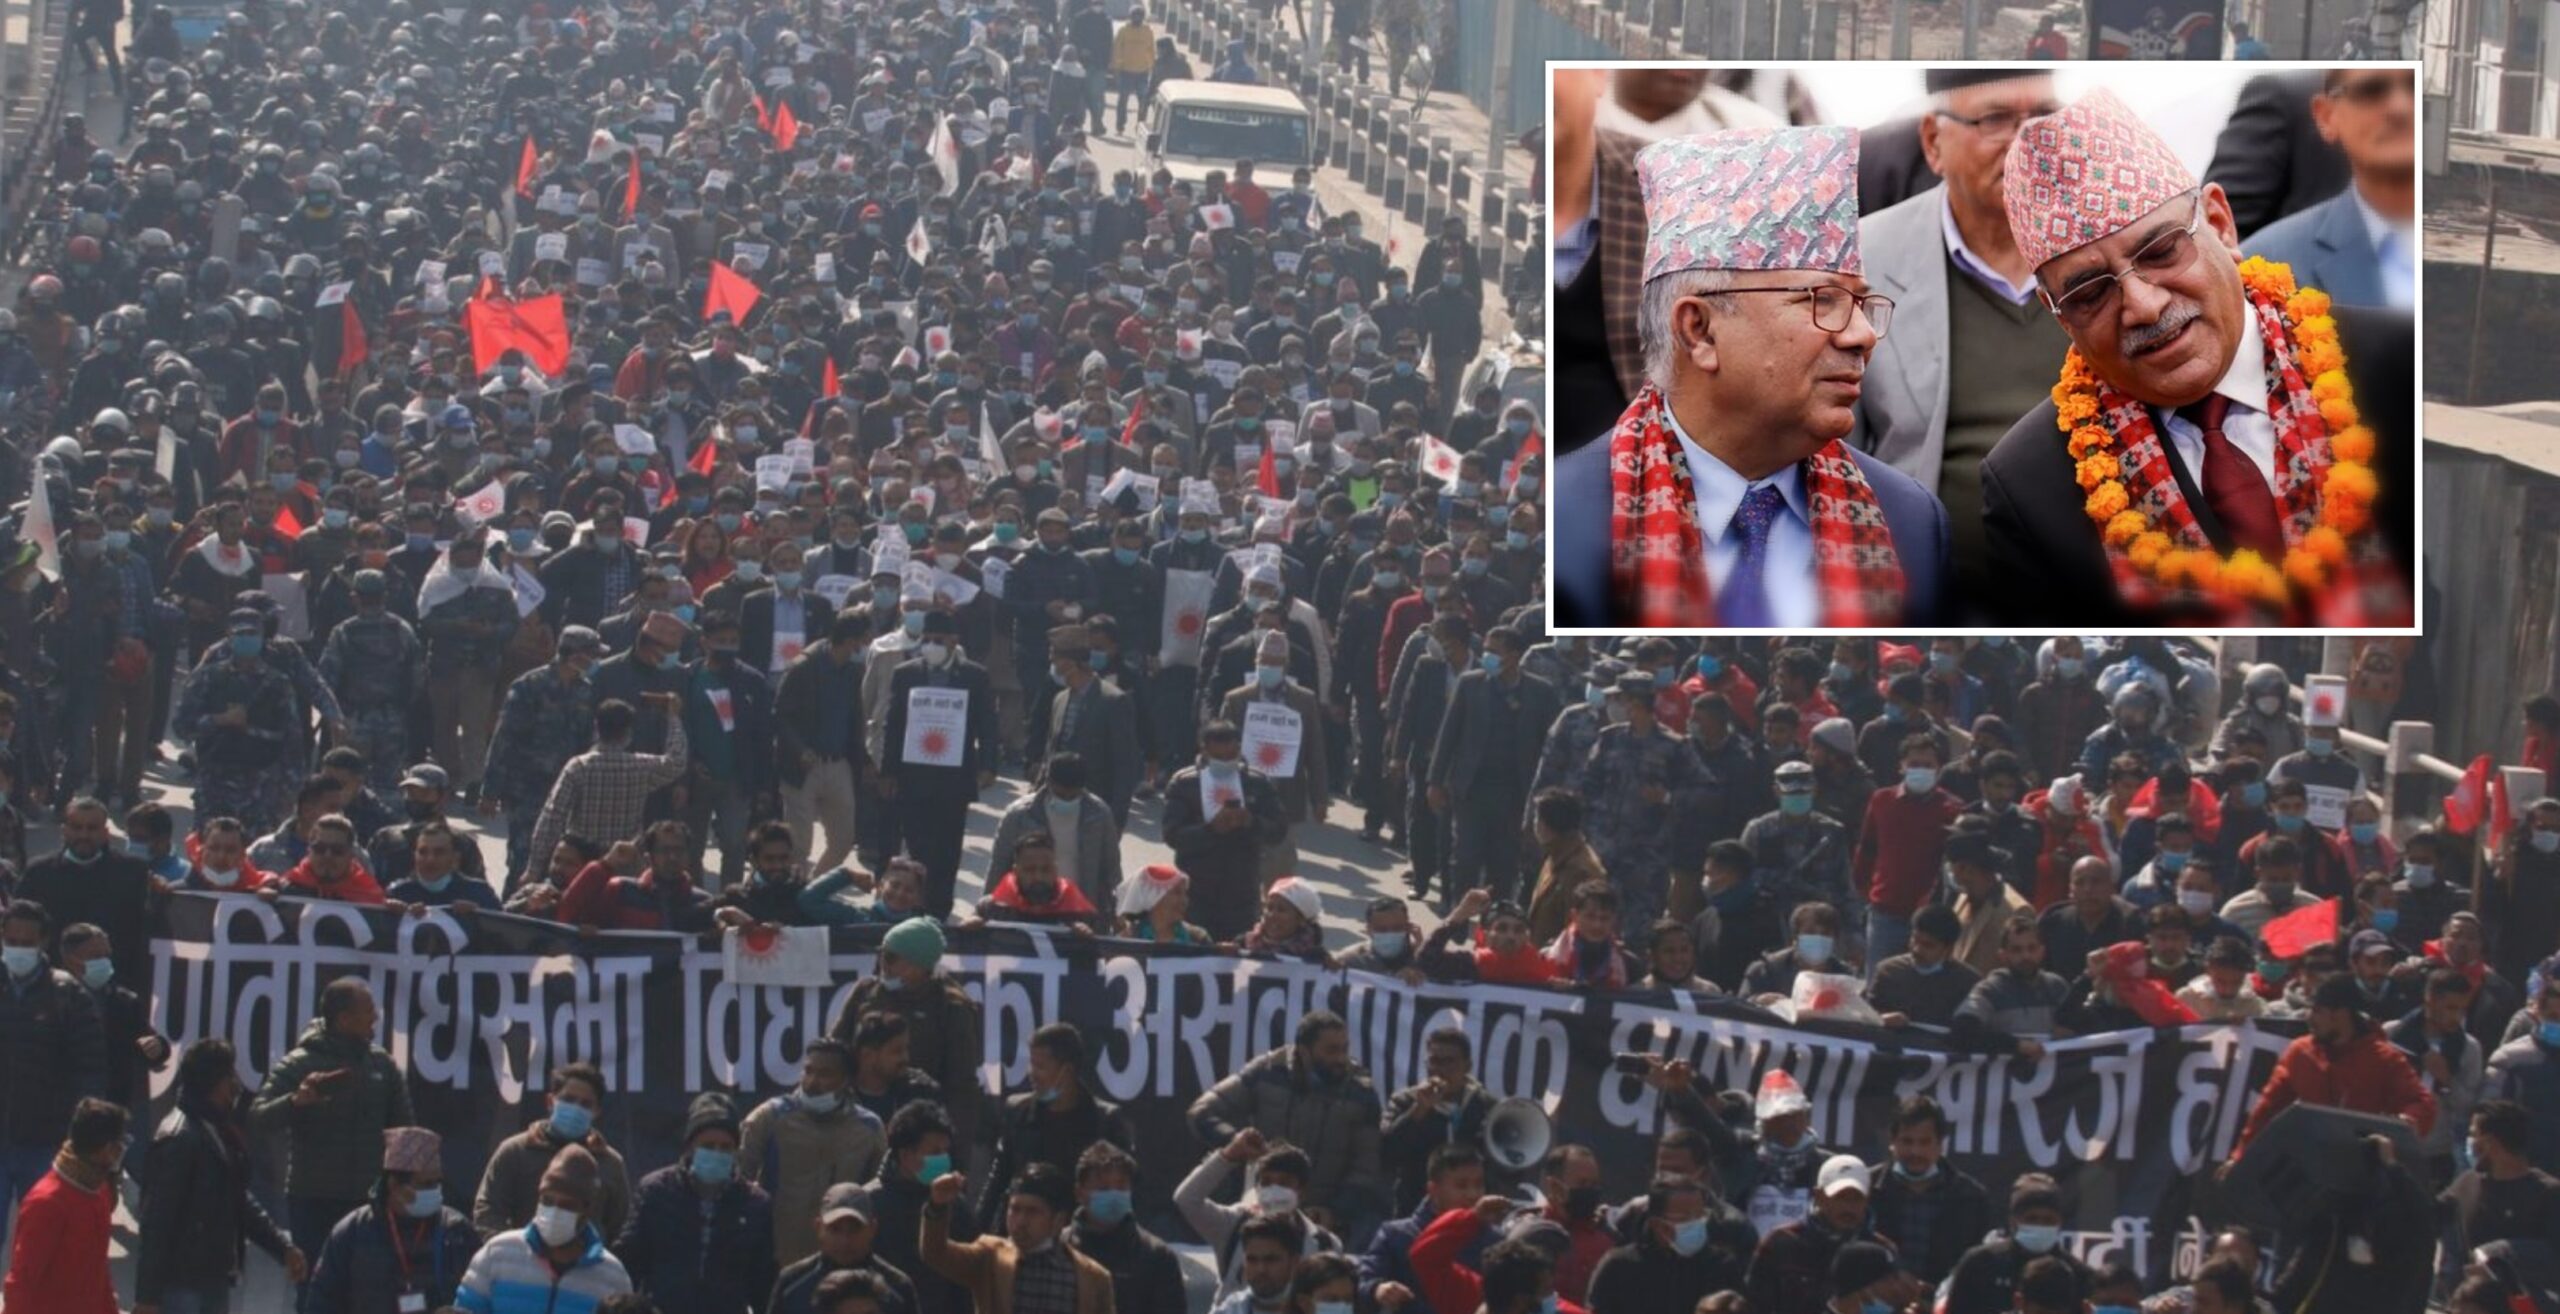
column 1842, row 1172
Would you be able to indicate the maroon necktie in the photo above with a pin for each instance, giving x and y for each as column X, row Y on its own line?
column 2233, row 487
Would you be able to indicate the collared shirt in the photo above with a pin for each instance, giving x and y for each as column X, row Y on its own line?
column 1787, row 570
column 2246, row 424
column 605, row 791
column 1045, row 1282
column 2015, row 293
column 1573, row 245
column 2391, row 251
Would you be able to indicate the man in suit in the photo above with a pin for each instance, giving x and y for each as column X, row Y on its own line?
column 1303, row 789
column 1598, row 222
column 1093, row 720
column 2270, row 159
column 777, row 624
column 818, row 750
column 1969, row 341
column 2359, row 246
column 932, row 795
column 1485, row 758
column 2201, row 479
column 1220, row 847
column 1726, row 479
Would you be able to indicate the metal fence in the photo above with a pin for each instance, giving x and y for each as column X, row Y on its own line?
column 31, row 106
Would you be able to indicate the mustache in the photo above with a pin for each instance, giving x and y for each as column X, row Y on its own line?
column 2151, row 335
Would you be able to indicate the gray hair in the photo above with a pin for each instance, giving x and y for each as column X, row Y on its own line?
column 1653, row 315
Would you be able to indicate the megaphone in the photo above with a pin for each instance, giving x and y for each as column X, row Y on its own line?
column 1517, row 1133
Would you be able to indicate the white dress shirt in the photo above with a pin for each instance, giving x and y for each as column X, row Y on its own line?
column 2246, row 425
column 2393, row 245
column 1786, row 569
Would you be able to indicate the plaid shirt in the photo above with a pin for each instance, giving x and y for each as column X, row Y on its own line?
column 1045, row 1283
column 133, row 616
column 604, row 793
column 1618, row 201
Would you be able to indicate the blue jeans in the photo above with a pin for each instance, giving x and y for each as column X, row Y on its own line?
column 1887, row 935
column 196, row 1300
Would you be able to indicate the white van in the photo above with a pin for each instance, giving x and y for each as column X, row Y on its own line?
column 1196, row 127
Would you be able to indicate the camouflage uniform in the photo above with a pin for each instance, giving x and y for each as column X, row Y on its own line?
column 1568, row 750
column 541, row 725
column 375, row 665
column 1632, row 836
column 249, row 772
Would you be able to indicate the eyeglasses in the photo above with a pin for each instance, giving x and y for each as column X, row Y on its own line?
column 2376, row 88
column 1831, row 303
column 2000, row 122
column 2089, row 301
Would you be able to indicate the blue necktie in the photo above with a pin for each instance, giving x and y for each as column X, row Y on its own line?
column 1746, row 595
column 2398, row 280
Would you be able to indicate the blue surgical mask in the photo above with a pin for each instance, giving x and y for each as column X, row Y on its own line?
column 97, row 972
column 1690, row 1237
column 1269, row 677
column 2386, row 920
column 1491, row 663
column 1107, row 1207
column 670, row 661
column 248, row 645
column 572, row 1122
column 1919, row 780
column 1928, row 969
column 913, row 623
column 786, row 580
column 2289, row 821
column 20, row 960
column 1594, row 695
column 713, row 1166
column 2365, row 832
column 1942, row 662
column 2254, row 793
column 934, row 1165
column 1795, row 805
column 2069, row 668
column 1125, row 556
column 2172, row 863
column 335, row 517
column 2548, row 1032
column 2038, row 1238
column 1813, row 947
column 2421, row 874
column 2320, row 747
column 1194, row 535
column 1390, row 944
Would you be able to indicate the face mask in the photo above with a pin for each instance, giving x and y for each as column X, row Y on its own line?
column 1389, row 579
column 934, row 1166
column 2420, row 874
column 1919, row 780
column 21, row 960
column 427, row 1203
column 571, row 1122
column 1942, row 662
column 2069, row 668
column 713, row 1166
column 160, row 517
column 248, row 645
column 2289, row 821
column 2546, row 841
column 2254, row 793
column 97, row 972
column 2320, row 747
column 2386, row 920
column 1195, row 536
column 555, row 1225
column 2038, row 1238
column 937, row 653
column 608, row 466
column 1272, row 1201
column 1813, row 947
column 1795, row 805
column 1690, row 1237
column 1928, row 969
column 1107, row 1207
column 1269, row 677
column 2278, row 893
column 2548, row 1033
column 822, row 1104
column 2196, row 902
column 2269, row 705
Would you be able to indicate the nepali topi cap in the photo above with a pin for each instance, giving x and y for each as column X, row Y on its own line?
column 1757, row 199
column 2085, row 173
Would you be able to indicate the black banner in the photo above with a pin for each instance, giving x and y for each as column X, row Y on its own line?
column 478, row 1011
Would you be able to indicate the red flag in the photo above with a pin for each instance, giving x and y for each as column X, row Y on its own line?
column 538, row 327
column 526, row 169
column 730, row 291
column 353, row 346
column 2469, row 801
column 706, row 457
column 1268, row 479
column 786, row 127
column 631, row 194
column 1129, row 431
column 2293, row 934
column 287, row 523
column 1535, row 446
column 828, row 384
column 764, row 117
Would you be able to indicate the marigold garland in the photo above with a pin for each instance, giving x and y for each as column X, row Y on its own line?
column 2346, row 492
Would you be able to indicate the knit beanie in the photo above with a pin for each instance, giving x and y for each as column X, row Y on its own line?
column 572, row 1174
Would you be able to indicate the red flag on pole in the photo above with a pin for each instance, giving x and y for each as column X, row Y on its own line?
column 706, row 457
column 1534, row 447
column 828, row 384
column 526, row 169
column 786, row 127
column 353, row 346
column 764, row 117
column 287, row 523
column 2293, row 934
column 1268, row 478
column 2469, row 802
column 631, row 193
column 730, row 291
column 1129, row 431
column 538, row 327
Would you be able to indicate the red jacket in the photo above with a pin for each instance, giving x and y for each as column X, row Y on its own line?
column 1068, row 905
column 1899, row 846
column 1450, row 1285
column 358, row 887
column 238, row 449
column 2365, row 1075
column 1404, row 615
column 597, row 897
column 58, row 1258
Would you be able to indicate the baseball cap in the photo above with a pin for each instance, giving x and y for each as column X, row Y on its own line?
column 426, row 775
column 846, row 1200
column 1841, row 1172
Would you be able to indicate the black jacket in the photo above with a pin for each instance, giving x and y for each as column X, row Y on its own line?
column 796, row 1290
column 54, row 1051
column 1028, row 1133
column 198, row 1216
column 1146, row 1276
column 1647, row 1278
column 113, row 894
column 2048, row 552
column 1985, row 1281
column 2270, row 158
column 1964, row 1214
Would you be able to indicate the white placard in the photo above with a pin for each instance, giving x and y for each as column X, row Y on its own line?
column 1186, row 615
column 754, row 253
column 1224, row 371
column 937, row 727
column 2328, row 809
column 803, row 453
column 824, row 268
column 293, row 605
column 1218, row 217
column 2324, row 700
column 1215, row 794
column 550, row 246
column 1199, row 495
column 1272, row 733
column 835, row 589
column 780, row 75
column 634, row 440
column 715, row 179
column 773, row 473
column 953, row 591
column 783, row 956
column 937, row 340
column 1285, row 261
column 651, row 142
column 430, row 273
column 529, row 591
column 331, row 295
column 636, row 252
column 662, row 112
column 995, row 571
column 873, row 121
column 787, row 647
column 1248, row 457
column 1131, row 293
column 593, row 272
column 635, row 530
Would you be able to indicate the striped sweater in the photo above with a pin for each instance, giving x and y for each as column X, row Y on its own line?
column 513, row 1275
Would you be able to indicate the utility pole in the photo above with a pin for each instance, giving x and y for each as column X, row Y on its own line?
column 1506, row 15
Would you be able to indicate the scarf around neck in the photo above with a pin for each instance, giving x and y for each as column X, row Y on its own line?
column 1658, row 556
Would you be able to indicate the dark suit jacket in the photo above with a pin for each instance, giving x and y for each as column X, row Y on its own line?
column 755, row 626
column 1106, row 738
column 1462, row 747
column 2270, row 159
column 2048, row 551
column 1891, row 166
column 2328, row 248
column 795, row 714
column 978, row 747
column 1581, row 591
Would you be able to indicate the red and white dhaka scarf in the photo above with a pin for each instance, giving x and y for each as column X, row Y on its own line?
column 1658, row 556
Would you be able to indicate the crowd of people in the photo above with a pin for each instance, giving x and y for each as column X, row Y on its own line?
column 708, row 445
